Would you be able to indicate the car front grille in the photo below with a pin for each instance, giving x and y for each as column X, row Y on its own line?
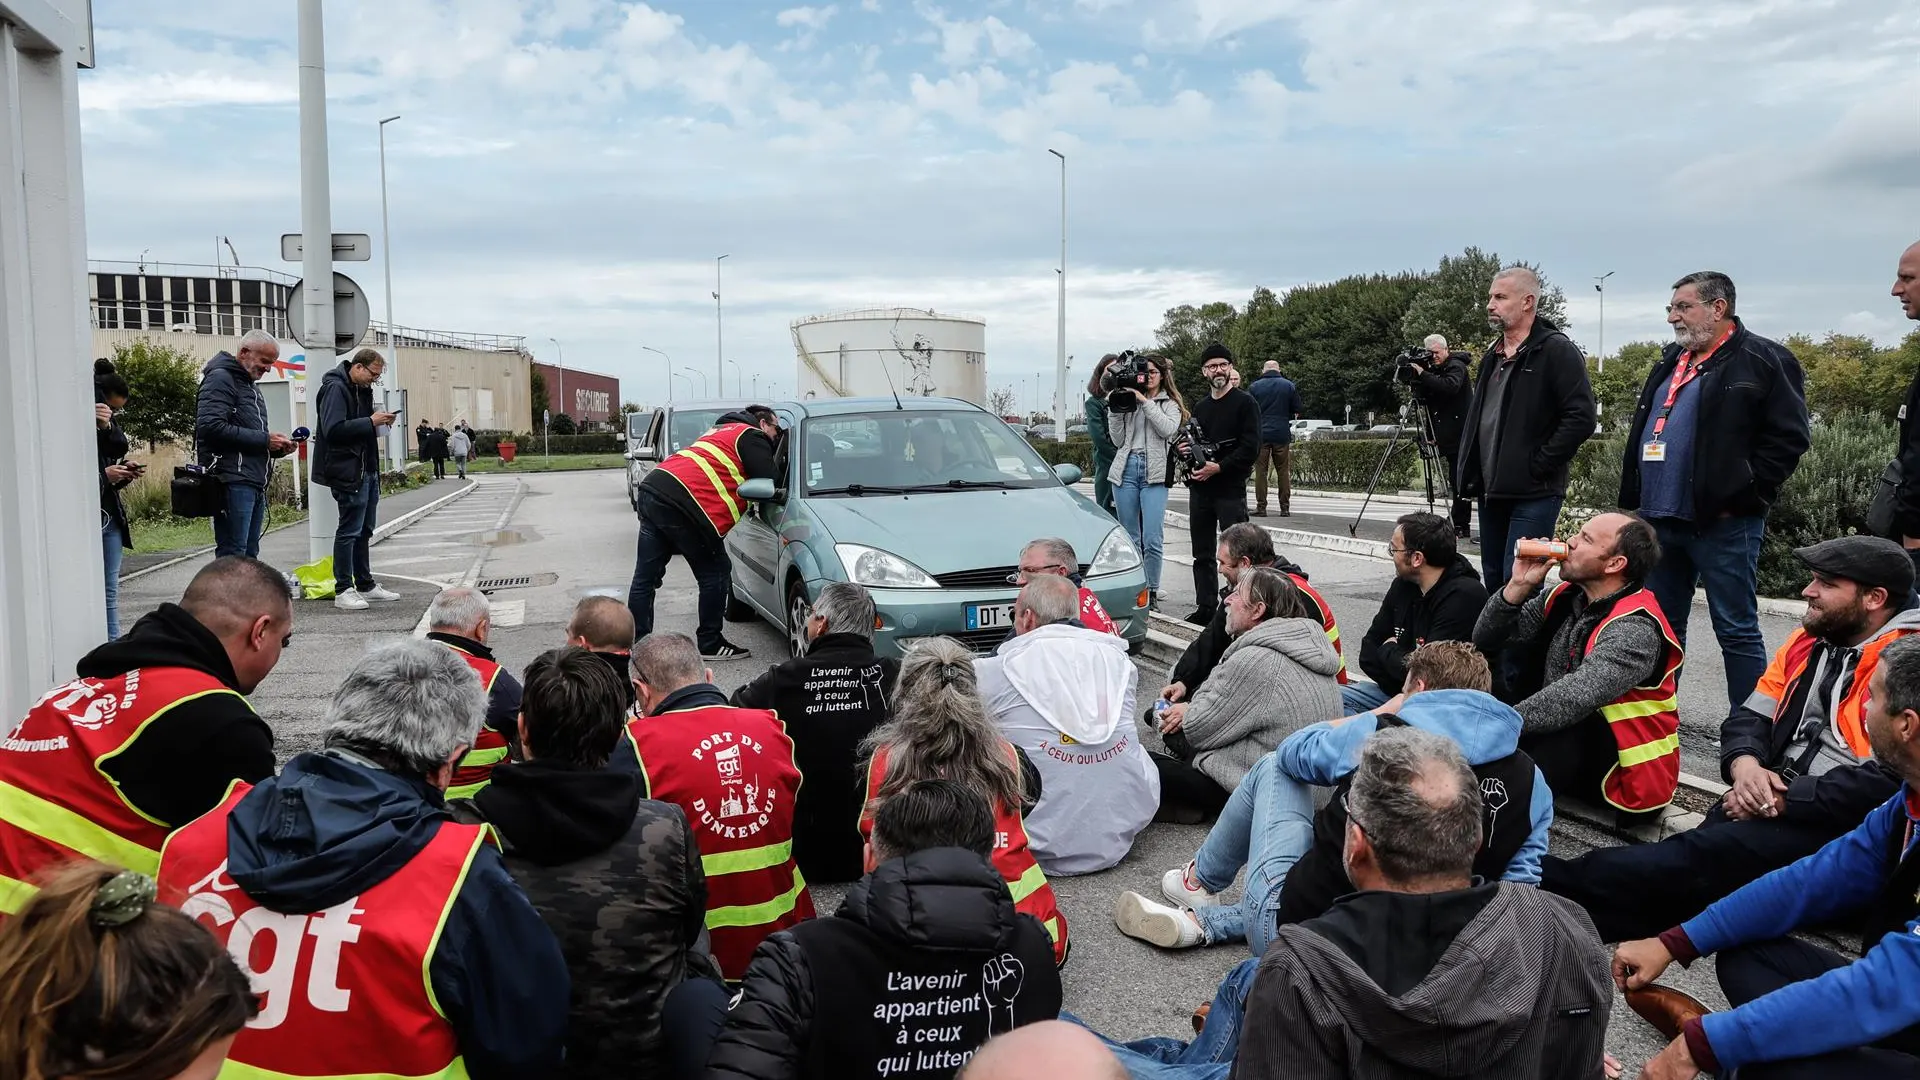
column 982, row 642
column 988, row 577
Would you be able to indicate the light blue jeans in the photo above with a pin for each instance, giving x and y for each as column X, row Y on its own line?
column 1361, row 696
column 1143, row 513
column 111, row 554
column 1266, row 826
column 1210, row 1055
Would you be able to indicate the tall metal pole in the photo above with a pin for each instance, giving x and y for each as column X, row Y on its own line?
column 719, row 344
column 396, row 439
column 703, row 380
column 669, row 361
column 1600, row 286
column 738, row 386
column 1060, row 359
column 316, row 259
column 561, row 390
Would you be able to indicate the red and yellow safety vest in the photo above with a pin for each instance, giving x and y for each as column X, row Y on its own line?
column 1011, row 856
column 1778, row 685
column 1324, row 612
column 732, row 771
column 57, row 803
column 1644, row 721
column 709, row 468
column 343, row 992
column 475, row 771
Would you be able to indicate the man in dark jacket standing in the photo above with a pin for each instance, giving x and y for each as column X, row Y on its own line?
column 830, row 699
column 1279, row 402
column 1436, row 595
column 231, row 440
column 346, row 458
column 1720, row 426
column 1444, row 387
column 1375, row 989
column 1532, row 408
column 925, row 960
column 1906, row 520
column 616, row 877
column 1217, row 491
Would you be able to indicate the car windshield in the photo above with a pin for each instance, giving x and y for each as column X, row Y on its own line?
column 690, row 424
column 916, row 451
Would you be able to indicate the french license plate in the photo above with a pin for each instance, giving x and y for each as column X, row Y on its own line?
column 989, row 616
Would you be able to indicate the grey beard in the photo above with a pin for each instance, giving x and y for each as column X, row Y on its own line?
column 1691, row 339
column 1496, row 324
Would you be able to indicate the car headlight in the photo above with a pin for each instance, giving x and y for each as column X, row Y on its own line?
column 878, row 569
column 1116, row 553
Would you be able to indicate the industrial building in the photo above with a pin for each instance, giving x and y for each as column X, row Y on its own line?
column 880, row 351
column 483, row 379
column 590, row 398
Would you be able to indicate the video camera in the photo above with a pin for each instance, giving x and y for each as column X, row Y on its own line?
column 1403, row 364
column 1192, row 448
column 1128, row 372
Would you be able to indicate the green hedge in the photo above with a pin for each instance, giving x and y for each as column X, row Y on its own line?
column 487, row 443
column 1349, row 463
column 1077, row 450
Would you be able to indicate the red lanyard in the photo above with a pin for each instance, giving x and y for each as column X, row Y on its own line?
column 1685, row 372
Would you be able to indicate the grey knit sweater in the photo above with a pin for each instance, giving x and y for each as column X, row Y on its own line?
column 1272, row 681
column 1623, row 658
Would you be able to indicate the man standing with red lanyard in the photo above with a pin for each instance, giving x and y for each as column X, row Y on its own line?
column 1721, row 424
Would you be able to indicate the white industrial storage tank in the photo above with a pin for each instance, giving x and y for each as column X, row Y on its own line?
column 879, row 351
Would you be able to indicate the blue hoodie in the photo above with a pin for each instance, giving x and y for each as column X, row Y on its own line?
column 332, row 825
column 1486, row 728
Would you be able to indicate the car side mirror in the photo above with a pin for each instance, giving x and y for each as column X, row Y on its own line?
column 643, row 453
column 759, row 489
column 1068, row 473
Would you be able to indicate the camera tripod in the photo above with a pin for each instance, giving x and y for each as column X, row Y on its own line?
column 1431, row 461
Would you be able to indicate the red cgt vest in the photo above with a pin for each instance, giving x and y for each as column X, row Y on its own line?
column 56, row 804
column 343, row 992
column 475, row 770
column 709, row 468
column 732, row 771
column 1645, row 721
column 1011, row 856
column 1324, row 612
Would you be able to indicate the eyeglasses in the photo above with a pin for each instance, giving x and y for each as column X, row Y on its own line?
column 1685, row 306
column 1346, row 807
column 1020, row 576
column 287, row 639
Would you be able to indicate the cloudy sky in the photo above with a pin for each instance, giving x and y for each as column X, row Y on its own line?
column 569, row 168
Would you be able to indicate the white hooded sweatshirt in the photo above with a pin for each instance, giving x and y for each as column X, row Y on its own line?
column 1065, row 695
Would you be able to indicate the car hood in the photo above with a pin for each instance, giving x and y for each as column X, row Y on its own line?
column 945, row 531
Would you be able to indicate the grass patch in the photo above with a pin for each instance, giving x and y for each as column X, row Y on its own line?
column 154, row 535
column 535, row 463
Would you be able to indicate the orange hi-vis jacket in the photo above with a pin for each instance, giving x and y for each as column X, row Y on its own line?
column 710, row 469
column 732, row 771
column 344, row 993
column 1324, row 611
column 1644, row 721
column 1792, row 662
column 1011, row 856
column 489, row 748
column 57, row 804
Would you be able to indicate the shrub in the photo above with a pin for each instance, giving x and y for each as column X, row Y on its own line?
column 1077, row 450
column 1349, row 463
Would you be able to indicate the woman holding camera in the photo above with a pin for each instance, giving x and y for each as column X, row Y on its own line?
column 1141, row 471
column 110, row 393
column 1103, row 448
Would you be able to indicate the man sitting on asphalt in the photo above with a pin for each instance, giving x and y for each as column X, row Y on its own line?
column 830, row 699
column 461, row 619
column 732, row 771
column 1798, row 1009
column 1596, row 667
column 150, row 733
column 603, row 626
column 925, row 960
column 1292, row 853
column 1051, row 555
column 1436, row 596
column 425, row 958
column 1797, row 755
column 1064, row 694
column 565, row 820
column 1243, row 547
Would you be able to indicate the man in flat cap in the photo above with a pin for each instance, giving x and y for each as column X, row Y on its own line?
column 1796, row 754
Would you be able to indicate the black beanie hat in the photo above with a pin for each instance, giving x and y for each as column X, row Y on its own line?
column 1215, row 351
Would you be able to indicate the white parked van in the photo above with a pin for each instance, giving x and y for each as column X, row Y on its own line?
column 1305, row 429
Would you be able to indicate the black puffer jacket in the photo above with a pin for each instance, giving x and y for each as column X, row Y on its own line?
column 230, row 424
column 918, row 930
column 1409, row 619
column 345, row 446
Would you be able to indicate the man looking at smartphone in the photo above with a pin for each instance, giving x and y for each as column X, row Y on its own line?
column 347, row 460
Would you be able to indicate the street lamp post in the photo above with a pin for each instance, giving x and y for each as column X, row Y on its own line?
column 669, row 361
column 703, row 379
column 561, row 390
column 737, row 385
column 719, row 342
column 1060, row 358
column 672, row 375
column 1600, row 286
column 397, row 439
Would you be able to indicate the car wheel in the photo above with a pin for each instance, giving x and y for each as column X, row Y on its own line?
column 799, row 610
column 739, row 610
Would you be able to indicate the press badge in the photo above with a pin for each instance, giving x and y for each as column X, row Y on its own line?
column 1653, row 451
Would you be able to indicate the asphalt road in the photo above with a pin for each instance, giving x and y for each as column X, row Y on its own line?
column 572, row 535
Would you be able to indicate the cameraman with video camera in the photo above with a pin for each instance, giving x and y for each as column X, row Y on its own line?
column 1438, row 378
column 1144, row 413
column 1217, row 448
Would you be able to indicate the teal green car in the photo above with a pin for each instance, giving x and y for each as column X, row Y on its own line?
column 926, row 502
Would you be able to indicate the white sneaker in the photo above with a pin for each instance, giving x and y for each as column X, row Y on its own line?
column 1156, row 923
column 349, row 601
column 1183, row 887
column 379, row 592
